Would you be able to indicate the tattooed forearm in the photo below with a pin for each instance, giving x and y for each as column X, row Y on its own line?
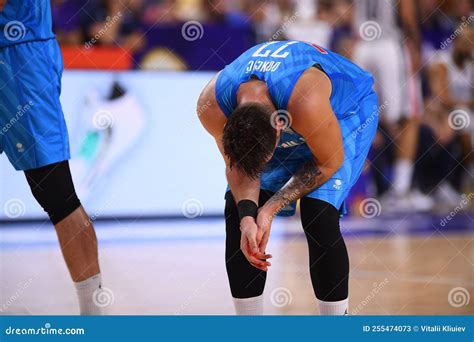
column 308, row 178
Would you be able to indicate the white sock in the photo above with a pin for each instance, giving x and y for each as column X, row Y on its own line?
column 338, row 308
column 86, row 292
column 402, row 174
column 249, row 306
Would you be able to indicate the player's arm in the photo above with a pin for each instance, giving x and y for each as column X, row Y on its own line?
column 314, row 119
column 213, row 120
column 2, row 4
column 242, row 187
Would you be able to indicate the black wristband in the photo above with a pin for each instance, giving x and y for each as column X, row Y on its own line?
column 247, row 208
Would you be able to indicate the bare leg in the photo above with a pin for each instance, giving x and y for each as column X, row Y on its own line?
column 406, row 149
column 52, row 187
column 407, row 141
column 79, row 245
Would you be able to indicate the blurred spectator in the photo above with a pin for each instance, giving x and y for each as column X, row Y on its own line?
column 66, row 19
column 225, row 12
column 152, row 31
column 111, row 22
column 159, row 11
column 449, row 115
column 436, row 26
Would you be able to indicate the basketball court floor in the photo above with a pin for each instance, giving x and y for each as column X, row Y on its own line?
column 404, row 265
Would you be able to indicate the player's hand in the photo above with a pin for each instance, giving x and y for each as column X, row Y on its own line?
column 249, row 244
column 264, row 224
column 2, row 4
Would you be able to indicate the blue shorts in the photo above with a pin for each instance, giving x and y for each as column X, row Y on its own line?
column 33, row 132
column 358, row 131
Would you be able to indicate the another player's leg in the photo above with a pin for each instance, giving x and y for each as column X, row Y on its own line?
column 328, row 258
column 246, row 282
column 53, row 188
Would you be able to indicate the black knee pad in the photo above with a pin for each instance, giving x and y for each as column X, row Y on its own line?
column 329, row 261
column 53, row 188
column 245, row 280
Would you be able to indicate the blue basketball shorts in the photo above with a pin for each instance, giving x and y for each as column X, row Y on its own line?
column 358, row 131
column 33, row 132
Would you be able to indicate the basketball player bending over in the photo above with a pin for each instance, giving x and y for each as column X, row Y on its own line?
column 34, row 136
column 292, row 121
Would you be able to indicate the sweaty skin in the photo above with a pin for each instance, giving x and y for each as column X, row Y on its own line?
column 313, row 118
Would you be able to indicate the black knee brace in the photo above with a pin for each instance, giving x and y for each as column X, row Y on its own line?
column 329, row 262
column 53, row 188
column 245, row 280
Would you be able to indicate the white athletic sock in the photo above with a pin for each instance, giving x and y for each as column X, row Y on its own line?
column 86, row 292
column 249, row 306
column 338, row 308
column 402, row 174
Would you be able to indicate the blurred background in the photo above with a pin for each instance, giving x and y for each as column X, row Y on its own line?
column 153, row 181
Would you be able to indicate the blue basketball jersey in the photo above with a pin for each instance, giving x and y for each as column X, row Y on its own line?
column 281, row 63
column 25, row 21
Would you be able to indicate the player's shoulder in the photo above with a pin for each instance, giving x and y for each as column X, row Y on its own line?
column 208, row 110
column 312, row 87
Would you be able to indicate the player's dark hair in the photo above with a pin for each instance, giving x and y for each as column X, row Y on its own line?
column 249, row 138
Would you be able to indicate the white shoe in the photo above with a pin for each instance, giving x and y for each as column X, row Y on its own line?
column 447, row 195
column 414, row 201
column 420, row 202
column 395, row 203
